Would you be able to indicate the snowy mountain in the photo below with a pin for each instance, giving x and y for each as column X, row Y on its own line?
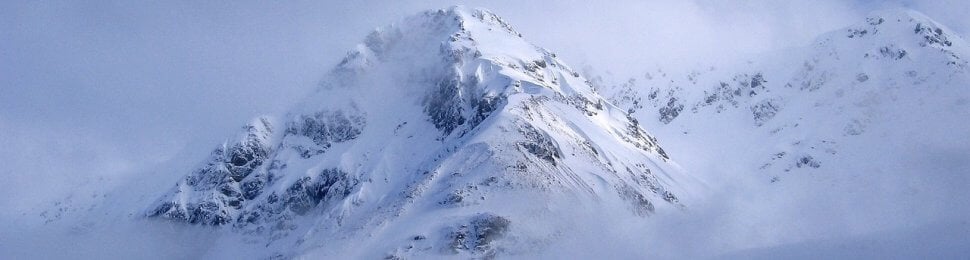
column 448, row 135
column 445, row 133
column 896, row 75
column 862, row 134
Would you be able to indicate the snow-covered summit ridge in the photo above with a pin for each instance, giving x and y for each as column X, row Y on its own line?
column 473, row 47
column 430, row 28
column 890, row 44
column 894, row 34
column 899, row 25
column 450, row 33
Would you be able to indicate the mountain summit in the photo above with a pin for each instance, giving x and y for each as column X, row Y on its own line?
column 446, row 132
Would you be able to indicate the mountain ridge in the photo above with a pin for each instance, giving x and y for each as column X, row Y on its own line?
column 855, row 106
column 447, row 134
column 448, row 111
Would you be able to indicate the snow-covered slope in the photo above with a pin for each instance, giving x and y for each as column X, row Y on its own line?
column 445, row 133
column 881, row 77
column 868, row 125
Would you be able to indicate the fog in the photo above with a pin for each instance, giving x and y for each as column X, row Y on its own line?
column 102, row 92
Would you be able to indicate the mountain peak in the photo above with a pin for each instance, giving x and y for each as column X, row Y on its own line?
column 448, row 111
column 905, row 15
column 480, row 16
column 894, row 36
column 458, row 29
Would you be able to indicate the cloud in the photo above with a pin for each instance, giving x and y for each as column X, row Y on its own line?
column 96, row 89
column 135, row 75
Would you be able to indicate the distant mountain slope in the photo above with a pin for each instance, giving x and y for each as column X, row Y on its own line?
column 863, row 134
column 894, row 75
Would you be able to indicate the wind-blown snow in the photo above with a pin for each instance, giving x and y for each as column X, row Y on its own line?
column 446, row 134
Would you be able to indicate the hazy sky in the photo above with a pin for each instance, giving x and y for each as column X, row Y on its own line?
column 101, row 89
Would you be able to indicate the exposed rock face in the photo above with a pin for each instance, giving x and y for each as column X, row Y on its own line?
column 212, row 194
column 479, row 234
column 324, row 129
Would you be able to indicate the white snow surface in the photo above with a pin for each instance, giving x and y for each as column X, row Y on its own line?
column 821, row 150
column 445, row 134
column 448, row 135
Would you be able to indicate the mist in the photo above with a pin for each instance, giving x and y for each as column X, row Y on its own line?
column 104, row 93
